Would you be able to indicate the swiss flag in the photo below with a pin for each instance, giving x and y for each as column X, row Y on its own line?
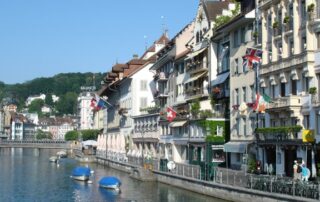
column 171, row 114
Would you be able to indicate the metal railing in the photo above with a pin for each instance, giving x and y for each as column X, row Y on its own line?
column 267, row 183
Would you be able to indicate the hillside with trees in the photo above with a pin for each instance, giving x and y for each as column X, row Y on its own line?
column 64, row 85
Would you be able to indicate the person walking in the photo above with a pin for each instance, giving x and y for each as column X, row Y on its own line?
column 304, row 173
column 295, row 170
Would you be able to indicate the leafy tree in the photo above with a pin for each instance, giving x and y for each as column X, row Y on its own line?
column 49, row 100
column 67, row 104
column 89, row 134
column 71, row 135
column 43, row 135
column 36, row 106
column 195, row 107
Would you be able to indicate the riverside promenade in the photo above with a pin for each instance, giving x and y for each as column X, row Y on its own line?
column 226, row 184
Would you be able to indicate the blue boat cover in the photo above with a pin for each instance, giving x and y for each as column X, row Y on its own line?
column 107, row 181
column 80, row 171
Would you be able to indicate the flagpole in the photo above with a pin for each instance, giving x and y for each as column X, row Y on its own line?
column 257, row 91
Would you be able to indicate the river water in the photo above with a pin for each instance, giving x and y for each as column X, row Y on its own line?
column 27, row 175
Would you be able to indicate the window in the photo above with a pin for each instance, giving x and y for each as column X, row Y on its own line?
column 269, row 53
column 269, row 28
column 244, row 68
column 293, row 87
column 236, row 39
column 303, row 12
column 291, row 47
column 237, row 96
column 318, row 40
column 272, row 91
column 252, row 93
column 243, row 34
column 252, row 124
column 244, row 94
column 143, row 86
column 236, row 66
column 279, row 51
column 238, row 125
column 306, row 121
column 306, row 83
column 143, row 102
column 283, row 89
column 303, row 43
column 197, row 37
column 244, row 121
column 318, row 123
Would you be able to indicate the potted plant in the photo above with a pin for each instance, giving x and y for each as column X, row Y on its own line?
column 255, row 34
column 275, row 24
column 312, row 90
column 286, row 19
column 310, row 8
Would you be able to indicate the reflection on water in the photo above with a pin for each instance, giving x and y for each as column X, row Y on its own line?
column 27, row 175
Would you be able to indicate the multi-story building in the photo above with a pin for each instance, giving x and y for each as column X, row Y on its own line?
column 85, row 111
column 287, row 75
column 2, row 133
column 234, row 38
column 129, row 91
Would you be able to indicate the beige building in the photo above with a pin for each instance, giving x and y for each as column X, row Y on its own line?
column 287, row 73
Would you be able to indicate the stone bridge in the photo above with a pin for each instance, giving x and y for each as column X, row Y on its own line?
column 41, row 144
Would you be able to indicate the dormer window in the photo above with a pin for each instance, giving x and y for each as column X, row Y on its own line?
column 197, row 37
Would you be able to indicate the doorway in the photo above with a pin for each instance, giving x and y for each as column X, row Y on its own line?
column 290, row 155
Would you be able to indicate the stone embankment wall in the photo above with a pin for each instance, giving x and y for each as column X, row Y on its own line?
column 225, row 192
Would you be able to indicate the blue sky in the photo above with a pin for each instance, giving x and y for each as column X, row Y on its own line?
column 41, row 38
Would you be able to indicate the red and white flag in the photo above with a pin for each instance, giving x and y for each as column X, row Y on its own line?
column 171, row 114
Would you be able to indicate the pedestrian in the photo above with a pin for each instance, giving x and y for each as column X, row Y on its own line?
column 295, row 170
column 304, row 173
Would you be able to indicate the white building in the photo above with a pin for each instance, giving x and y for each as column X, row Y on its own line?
column 85, row 112
column 42, row 97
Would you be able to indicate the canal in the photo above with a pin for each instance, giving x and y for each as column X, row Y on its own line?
column 27, row 175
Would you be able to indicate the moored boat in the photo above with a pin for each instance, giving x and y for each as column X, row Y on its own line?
column 81, row 173
column 62, row 154
column 110, row 182
column 53, row 159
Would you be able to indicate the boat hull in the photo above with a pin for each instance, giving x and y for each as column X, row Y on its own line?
column 81, row 177
column 116, row 186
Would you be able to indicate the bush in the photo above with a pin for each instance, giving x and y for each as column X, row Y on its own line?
column 71, row 135
column 89, row 134
column 313, row 90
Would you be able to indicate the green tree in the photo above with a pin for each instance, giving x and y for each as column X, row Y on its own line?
column 89, row 134
column 71, row 135
column 49, row 100
column 43, row 135
column 36, row 106
column 67, row 104
column 195, row 108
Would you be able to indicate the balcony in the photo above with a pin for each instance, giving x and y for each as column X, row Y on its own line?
column 163, row 77
column 286, row 102
column 196, row 67
column 290, row 135
column 196, row 92
column 146, row 136
column 290, row 62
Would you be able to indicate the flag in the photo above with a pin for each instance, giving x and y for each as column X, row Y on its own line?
column 97, row 103
column 171, row 114
column 252, row 56
column 261, row 102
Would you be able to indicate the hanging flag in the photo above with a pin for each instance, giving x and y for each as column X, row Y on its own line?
column 171, row 114
column 252, row 56
column 93, row 103
column 261, row 103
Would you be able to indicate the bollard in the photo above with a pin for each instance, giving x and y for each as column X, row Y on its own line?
column 221, row 177
column 293, row 189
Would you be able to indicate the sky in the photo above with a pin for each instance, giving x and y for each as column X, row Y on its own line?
column 41, row 38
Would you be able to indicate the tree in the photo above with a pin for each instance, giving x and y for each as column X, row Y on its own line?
column 71, row 135
column 36, row 106
column 43, row 135
column 89, row 134
column 49, row 100
column 67, row 104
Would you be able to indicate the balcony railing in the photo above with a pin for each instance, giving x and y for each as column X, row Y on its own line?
column 285, row 135
column 195, row 92
column 146, row 135
column 196, row 66
column 291, row 101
